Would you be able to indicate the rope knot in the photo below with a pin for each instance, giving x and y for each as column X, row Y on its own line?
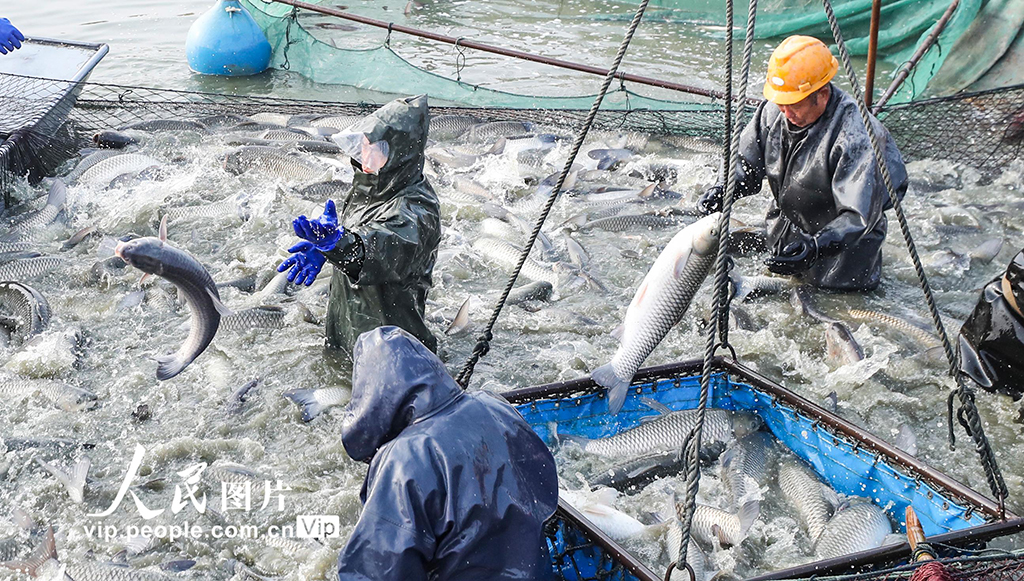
column 483, row 344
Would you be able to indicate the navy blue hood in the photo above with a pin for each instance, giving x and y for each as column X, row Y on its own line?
column 395, row 382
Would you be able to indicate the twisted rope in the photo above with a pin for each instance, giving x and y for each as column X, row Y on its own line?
column 692, row 443
column 967, row 410
column 483, row 342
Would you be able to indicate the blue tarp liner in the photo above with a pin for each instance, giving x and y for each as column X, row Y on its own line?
column 841, row 462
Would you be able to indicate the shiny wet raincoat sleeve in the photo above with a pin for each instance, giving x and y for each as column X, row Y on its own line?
column 392, row 541
column 750, row 171
column 396, row 246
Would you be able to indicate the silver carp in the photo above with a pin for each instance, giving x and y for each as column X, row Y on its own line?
column 26, row 229
column 598, row 507
column 668, row 431
column 261, row 317
column 482, row 132
column 840, row 345
column 24, row 310
column 623, row 222
column 507, row 255
column 860, row 526
column 539, row 290
column 320, row 191
column 88, row 162
column 802, row 299
column 813, row 500
column 745, row 287
column 28, row 268
column 113, row 167
column 712, row 524
column 339, row 122
column 450, row 127
column 165, row 125
column 629, row 474
column 220, row 210
column 748, row 464
column 273, row 162
column 924, row 337
column 153, row 255
column 315, row 401
column 237, row 399
column 64, row 396
column 659, row 303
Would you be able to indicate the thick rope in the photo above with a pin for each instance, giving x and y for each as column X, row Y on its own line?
column 723, row 313
column 483, row 342
column 692, row 444
column 967, row 408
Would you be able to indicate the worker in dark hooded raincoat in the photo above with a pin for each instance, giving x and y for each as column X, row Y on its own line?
column 826, row 223
column 384, row 243
column 458, row 487
column 990, row 346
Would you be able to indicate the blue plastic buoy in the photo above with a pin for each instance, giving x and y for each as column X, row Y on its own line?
column 226, row 41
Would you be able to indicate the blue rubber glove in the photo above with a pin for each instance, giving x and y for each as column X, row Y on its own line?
column 10, row 37
column 323, row 232
column 306, row 263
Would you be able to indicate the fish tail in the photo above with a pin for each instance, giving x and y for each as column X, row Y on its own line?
column 58, row 194
column 306, row 398
column 605, row 376
column 167, row 366
column 75, row 481
column 45, row 551
column 578, row 440
column 747, row 514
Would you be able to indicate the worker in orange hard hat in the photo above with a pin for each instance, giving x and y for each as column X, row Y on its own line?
column 827, row 222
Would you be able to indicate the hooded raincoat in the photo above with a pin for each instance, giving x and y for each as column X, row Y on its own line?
column 990, row 346
column 392, row 221
column 459, row 486
column 824, row 182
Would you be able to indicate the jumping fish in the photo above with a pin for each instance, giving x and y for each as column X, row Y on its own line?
column 659, row 303
column 461, row 321
column 840, row 345
column 483, row 132
column 711, row 524
column 857, row 526
column 237, row 399
column 507, row 255
column 535, row 291
column 623, row 222
column 23, row 309
column 155, row 256
column 803, row 301
column 74, row 480
column 668, row 431
column 166, row 125
column 88, row 162
column 924, row 337
column 745, row 287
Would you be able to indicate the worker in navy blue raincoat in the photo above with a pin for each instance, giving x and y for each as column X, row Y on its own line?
column 458, row 487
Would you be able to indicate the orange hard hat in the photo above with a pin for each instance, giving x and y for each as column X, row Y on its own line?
column 799, row 66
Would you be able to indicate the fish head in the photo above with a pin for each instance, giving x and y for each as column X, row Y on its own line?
column 145, row 254
column 706, row 234
column 744, row 423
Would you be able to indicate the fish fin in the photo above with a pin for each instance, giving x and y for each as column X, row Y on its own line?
column 606, row 495
column 136, row 544
column 45, row 551
column 831, row 496
column 680, row 265
column 120, row 558
column 617, row 332
column 461, row 320
column 647, row 192
column 605, row 377
column 145, row 277
column 578, row 440
column 178, row 565
column 167, row 366
column 221, row 308
column 723, row 539
column 498, row 148
column 747, row 514
column 656, row 405
column 58, row 193
column 906, row 440
column 75, row 481
column 728, row 457
column 832, row 399
column 162, row 233
column 306, row 398
column 605, row 162
column 22, row 519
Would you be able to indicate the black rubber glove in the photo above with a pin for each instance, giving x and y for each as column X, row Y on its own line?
column 711, row 200
column 795, row 257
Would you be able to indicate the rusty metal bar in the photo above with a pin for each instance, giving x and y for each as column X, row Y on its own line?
column 390, row 26
column 918, row 55
column 869, row 77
